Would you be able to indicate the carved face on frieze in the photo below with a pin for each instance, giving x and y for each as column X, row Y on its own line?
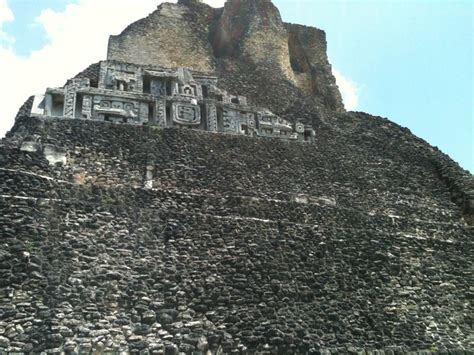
column 188, row 90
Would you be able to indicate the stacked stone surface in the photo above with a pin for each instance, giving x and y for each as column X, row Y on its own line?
column 144, row 239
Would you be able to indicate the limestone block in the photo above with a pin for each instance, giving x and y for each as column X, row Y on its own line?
column 54, row 155
column 39, row 105
column 30, row 146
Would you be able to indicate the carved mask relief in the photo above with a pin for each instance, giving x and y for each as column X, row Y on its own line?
column 188, row 90
column 186, row 114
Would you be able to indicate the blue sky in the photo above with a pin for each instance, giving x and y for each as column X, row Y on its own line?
column 410, row 61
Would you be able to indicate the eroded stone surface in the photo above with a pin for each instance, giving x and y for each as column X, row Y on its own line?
column 250, row 31
column 229, row 251
column 147, row 239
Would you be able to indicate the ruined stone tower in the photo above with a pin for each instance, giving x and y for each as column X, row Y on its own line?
column 203, row 191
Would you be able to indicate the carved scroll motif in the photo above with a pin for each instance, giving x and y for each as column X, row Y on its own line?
column 186, row 114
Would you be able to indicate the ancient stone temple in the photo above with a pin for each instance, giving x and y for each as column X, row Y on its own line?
column 141, row 213
column 128, row 93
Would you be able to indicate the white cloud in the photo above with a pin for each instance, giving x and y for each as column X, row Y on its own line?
column 6, row 15
column 215, row 3
column 349, row 91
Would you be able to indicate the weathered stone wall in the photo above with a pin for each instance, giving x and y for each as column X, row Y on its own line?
column 309, row 60
column 243, row 244
column 350, row 175
column 173, row 36
column 119, row 238
column 253, row 30
column 244, row 33
column 91, row 73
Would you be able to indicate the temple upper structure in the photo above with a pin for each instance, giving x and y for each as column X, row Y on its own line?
column 132, row 94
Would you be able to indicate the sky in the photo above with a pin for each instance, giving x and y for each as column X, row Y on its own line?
column 408, row 60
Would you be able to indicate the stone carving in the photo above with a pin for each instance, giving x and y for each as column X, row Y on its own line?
column 228, row 123
column 161, row 112
column 299, row 128
column 116, row 110
column 212, row 118
column 70, row 96
column 87, row 106
column 186, row 114
column 128, row 93
column 188, row 90
column 121, row 77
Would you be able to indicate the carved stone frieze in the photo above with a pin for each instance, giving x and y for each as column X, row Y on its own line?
column 87, row 106
column 70, row 96
column 128, row 93
column 161, row 112
column 186, row 114
column 212, row 118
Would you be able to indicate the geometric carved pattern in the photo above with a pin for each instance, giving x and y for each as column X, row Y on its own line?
column 69, row 102
column 212, row 118
column 161, row 112
column 70, row 96
column 170, row 96
column 186, row 114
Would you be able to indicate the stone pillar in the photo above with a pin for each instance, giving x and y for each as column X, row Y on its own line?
column 70, row 96
column 160, row 116
column 48, row 105
column 69, row 102
column 143, row 112
column 87, row 107
column 211, row 118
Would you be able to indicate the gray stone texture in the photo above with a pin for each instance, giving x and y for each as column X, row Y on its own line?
column 153, row 240
column 249, row 31
column 161, row 39
column 143, row 239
